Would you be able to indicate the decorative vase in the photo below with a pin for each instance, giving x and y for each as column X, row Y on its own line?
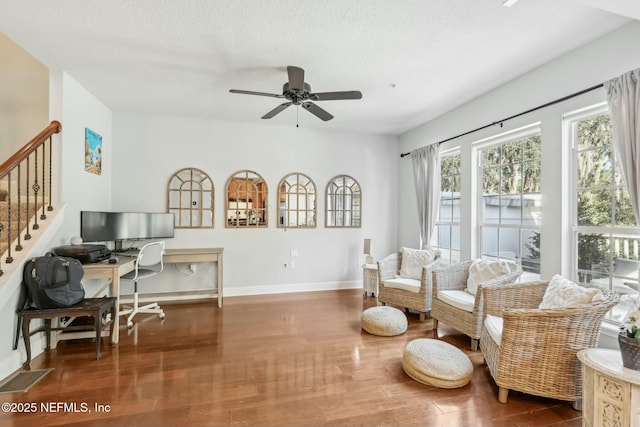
column 630, row 351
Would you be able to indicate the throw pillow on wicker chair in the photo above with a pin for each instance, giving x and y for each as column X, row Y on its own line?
column 413, row 260
column 563, row 293
column 482, row 271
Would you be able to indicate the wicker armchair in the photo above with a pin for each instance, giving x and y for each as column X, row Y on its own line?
column 537, row 349
column 454, row 278
column 388, row 270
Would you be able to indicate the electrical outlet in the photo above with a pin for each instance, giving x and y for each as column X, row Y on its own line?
column 294, row 252
column 292, row 264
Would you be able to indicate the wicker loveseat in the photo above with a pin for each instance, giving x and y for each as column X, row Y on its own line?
column 404, row 292
column 449, row 284
column 536, row 351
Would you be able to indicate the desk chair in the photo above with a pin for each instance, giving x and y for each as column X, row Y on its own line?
column 148, row 264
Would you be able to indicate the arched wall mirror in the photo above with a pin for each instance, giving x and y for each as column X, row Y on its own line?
column 296, row 202
column 190, row 195
column 344, row 202
column 247, row 200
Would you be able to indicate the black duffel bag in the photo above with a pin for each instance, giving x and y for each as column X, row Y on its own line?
column 53, row 281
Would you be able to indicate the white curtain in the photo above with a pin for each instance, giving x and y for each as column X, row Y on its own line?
column 623, row 97
column 426, row 175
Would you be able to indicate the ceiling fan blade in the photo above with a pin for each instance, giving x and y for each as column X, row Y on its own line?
column 277, row 110
column 317, row 111
column 250, row 92
column 296, row 78
column 333, row 96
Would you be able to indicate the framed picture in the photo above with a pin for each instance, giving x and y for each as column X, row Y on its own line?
column 92, row 151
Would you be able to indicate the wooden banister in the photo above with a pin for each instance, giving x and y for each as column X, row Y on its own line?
column 23, row 186
column 13, row 161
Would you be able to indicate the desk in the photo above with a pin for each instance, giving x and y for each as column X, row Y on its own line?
column 113, row 272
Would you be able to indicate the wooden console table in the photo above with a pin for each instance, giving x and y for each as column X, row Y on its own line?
column 611, row 393
column 95, row 307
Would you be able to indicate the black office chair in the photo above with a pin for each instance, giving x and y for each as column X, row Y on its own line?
column 148, row 264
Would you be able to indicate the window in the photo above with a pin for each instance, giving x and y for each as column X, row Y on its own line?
column 344, row 202
column 509, row 198
column 605, row 231
column 296, row 202
column 246, row 200
column 447, row 235
column 190, row 198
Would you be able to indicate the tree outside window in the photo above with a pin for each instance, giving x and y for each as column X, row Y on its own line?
column 606, row 237
column 447, row 235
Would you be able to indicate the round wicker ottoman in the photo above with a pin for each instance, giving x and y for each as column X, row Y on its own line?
column 436, row 363
column 384, row 321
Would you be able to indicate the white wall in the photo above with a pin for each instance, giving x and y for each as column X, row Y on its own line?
column 589, row 65
column 79, row 188
column 148, row 150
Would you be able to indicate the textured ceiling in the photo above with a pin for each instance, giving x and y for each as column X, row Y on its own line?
column 412, row 59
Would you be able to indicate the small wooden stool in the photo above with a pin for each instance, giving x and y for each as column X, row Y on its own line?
column 95, row 307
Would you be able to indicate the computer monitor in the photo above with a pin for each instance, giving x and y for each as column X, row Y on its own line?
column 121, row 226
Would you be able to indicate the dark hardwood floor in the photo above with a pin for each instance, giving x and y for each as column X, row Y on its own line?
column 273, row 360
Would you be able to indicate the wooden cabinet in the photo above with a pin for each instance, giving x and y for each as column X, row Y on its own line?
column 611, row 393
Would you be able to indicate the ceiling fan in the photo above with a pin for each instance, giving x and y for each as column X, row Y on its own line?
column 297, row 92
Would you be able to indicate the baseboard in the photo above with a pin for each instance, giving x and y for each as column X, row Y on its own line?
column 235, row 291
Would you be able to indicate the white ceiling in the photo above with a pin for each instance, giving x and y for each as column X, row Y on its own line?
column 412, row 59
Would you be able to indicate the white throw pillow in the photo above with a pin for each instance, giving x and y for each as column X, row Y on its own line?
column 563, row 293
column 413, row 260
column 482, row 271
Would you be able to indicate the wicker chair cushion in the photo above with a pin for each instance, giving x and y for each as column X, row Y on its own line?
column 410, row 285
column 459, row 299
column 413, row 260
column 494, row 325
column 563, row 293
column 436, row 363
column 483, row 271
column 384, row 321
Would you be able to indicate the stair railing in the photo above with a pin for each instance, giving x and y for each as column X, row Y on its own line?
column 26, row 178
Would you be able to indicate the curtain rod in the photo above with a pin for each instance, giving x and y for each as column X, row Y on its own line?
column 500, row 122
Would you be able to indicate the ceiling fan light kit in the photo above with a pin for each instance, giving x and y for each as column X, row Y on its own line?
column 297, row 92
